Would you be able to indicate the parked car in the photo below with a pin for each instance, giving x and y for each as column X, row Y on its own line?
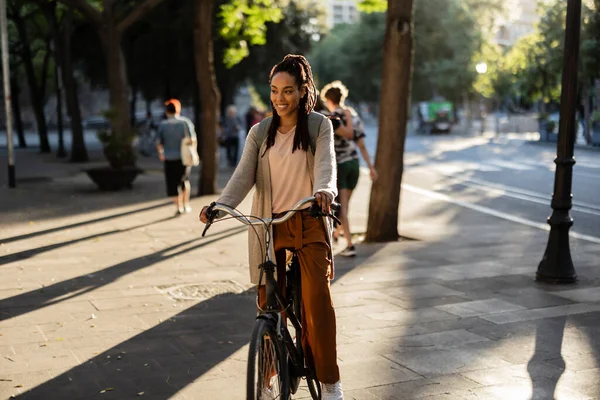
column 435, row 117
column 96, row 122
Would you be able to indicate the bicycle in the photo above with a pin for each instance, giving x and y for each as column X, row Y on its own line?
column 276, row 362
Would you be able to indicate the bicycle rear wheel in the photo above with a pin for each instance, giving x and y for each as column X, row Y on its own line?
column 267, row 364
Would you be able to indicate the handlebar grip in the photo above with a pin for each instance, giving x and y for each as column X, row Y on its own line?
column 335, row 206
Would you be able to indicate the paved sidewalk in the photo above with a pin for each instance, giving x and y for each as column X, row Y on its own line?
column 107, row 295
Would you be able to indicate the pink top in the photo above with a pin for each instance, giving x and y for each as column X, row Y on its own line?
column 290, row 179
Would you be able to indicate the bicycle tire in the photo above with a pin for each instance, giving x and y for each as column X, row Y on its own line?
column 265, row 354
column 314, row 387
column 295, row 300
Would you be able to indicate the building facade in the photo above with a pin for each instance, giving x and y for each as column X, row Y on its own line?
column 519, row 20
column 341, row 12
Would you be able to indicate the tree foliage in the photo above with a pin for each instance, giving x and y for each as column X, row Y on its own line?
column 448, row 35
column 531, row 70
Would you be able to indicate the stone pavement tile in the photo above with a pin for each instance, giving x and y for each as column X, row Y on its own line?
column 97, row 324
column 518, row 350
column 231, row 388
column 452, row 324
column 429, row 301
column 16, row 383
column 549, row 312
column 354, row 352
column 484, row 269
column 409, row 317
column 21, row 334
column 41, row 361
column 357, row 298
column 445, row 397
column 491, row 284
column 430, row 363
column 423, row 388
column 43, row 313
column 421, row 292
column 151, row 301
column 439, row 340
column 536, row 300
column 110, row 293
column 515, row 374
column 9, row 293
column 552, row 328
column 384, row 333
column 371, row 309
column 360, row 394
column 588, row 295
column 576, row 362
column 373, row 371
column 344, row 285
column 363, row 322
column 540, row 390
column 479, row 307
column 585, row 382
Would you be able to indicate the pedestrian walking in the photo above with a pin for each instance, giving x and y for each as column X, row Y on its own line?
column 230, row 130
column 348, row 137
column 171, row 132
column 290, row 156
column 148, row 135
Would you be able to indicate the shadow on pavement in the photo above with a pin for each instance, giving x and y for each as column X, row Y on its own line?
column 82, row 223
column 547, row 347
column 163, row 360
column 34, row 252
column 65, row 290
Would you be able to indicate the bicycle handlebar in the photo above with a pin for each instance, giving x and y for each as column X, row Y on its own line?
column 214, row 208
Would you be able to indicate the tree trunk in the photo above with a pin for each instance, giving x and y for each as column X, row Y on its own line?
column 395, row 101
column 37, row 100
column 209, row 94
column 15, row 91
column 78, row 149
column 117, row 77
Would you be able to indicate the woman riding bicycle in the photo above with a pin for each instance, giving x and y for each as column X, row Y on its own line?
column 295, row 160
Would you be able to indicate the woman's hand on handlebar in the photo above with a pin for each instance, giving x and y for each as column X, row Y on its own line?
column 203, row 215
column 324, row 201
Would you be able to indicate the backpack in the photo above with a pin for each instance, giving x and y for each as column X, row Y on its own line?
column 315, row 120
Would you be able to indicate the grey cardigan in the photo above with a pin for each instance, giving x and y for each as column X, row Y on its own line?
column 254, row 170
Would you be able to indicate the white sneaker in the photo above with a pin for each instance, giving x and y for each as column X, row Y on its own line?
column 267, row 394
column 348, row 252
column 332, row 391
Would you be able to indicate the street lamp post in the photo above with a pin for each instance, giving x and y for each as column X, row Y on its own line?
column 556, row 265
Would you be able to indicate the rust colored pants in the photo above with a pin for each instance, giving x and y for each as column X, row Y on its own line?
column 307, row 236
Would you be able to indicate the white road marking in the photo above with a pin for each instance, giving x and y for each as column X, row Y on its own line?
column 509, row 165
column 495, row 213
column 522, row 194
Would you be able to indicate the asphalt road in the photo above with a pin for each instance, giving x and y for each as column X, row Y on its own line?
column 504, row 175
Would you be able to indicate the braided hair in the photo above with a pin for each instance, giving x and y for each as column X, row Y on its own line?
column 298, row 67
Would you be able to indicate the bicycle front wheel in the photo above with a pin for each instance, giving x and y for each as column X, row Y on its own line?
column 267, row 364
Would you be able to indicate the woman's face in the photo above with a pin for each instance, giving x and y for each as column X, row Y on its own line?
column 285, row 95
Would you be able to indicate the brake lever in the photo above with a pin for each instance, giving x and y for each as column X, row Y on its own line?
column 208, row 224
column 316, row 212
column 336, row 219
column 211, row 216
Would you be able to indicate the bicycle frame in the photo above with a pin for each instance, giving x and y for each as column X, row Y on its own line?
column 276, row 303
